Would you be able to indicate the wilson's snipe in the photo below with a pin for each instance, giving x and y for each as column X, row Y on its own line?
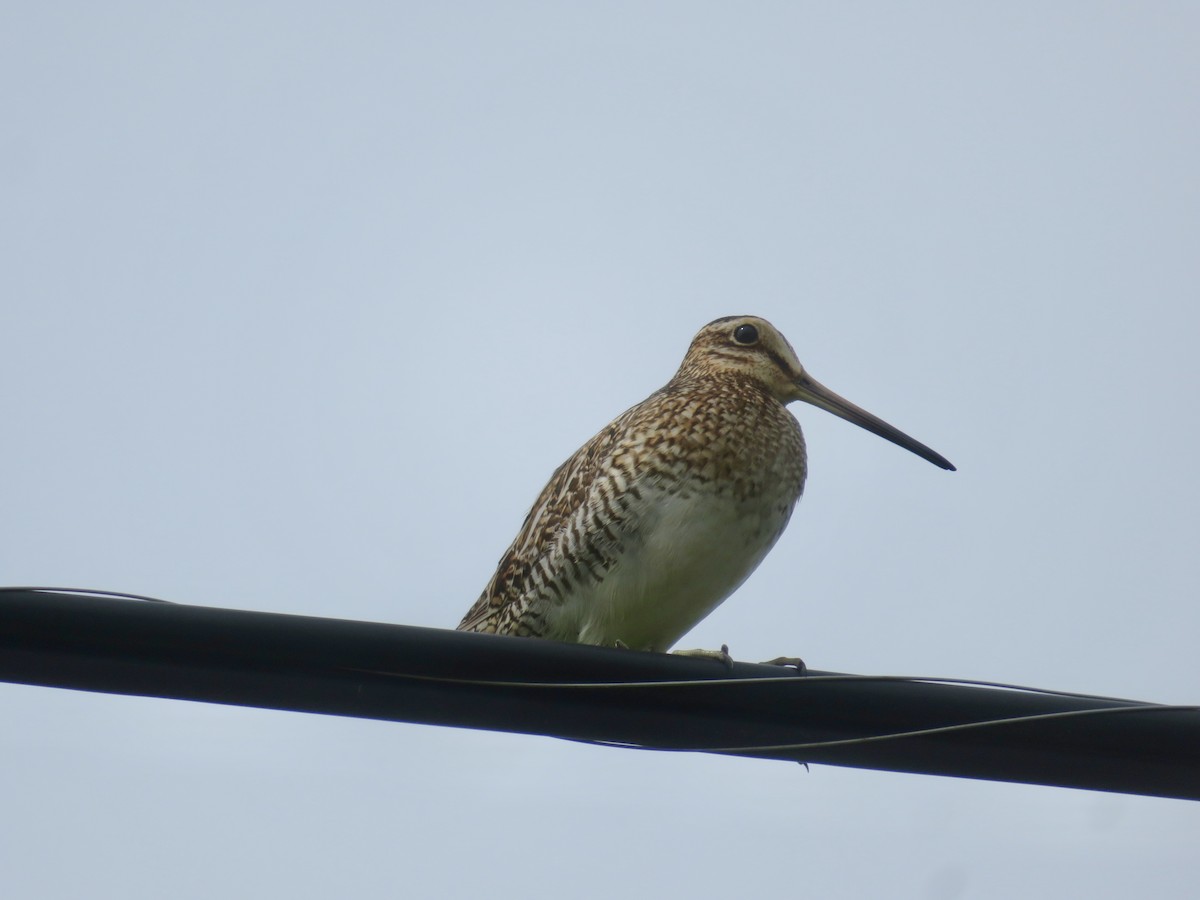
column 663, row 514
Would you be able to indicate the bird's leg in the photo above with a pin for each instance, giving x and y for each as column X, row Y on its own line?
column 721, row 655
column 794, row 661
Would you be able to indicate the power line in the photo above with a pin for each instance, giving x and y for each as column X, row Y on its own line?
column 606, row 696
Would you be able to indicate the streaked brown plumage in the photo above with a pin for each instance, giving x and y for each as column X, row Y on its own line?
column 663, row 514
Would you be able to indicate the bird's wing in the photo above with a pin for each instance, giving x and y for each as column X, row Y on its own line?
column 573, row 528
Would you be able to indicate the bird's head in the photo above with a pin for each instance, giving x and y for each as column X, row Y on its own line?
column 749, row 347
column 753, row 349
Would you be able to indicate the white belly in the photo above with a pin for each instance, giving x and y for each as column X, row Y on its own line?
column 692, row 552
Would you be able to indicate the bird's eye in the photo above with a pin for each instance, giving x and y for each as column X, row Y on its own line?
column 745, row 334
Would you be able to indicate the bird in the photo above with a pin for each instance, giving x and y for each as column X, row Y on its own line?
column 668, row 509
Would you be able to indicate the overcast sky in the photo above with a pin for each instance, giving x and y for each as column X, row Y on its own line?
column 302, row 304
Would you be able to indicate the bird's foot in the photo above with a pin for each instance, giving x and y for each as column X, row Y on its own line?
column 721, row 656
column 794, row 661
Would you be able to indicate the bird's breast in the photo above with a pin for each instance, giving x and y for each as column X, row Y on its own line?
column 698, row 538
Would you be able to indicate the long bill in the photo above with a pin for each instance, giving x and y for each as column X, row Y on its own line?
column 812, row 391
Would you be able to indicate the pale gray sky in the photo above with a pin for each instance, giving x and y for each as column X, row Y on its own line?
column 302, row 305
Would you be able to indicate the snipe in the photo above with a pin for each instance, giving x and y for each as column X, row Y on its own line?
column 664, row 513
